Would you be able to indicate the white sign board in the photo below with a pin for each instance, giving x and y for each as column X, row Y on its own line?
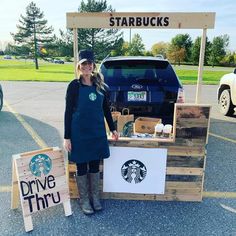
column 161, row 20
column 135, row 170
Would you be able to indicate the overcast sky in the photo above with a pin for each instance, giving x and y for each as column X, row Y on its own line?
column 55, row 13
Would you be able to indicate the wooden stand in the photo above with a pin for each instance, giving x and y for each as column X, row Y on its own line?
column 185, row 161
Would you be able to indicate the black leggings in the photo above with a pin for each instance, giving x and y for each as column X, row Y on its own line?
column 82, row 168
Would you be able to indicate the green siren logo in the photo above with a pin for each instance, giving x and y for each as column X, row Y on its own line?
column 40, row 164
column 92, row 96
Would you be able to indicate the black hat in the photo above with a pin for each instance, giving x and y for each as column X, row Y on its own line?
column 85, row 55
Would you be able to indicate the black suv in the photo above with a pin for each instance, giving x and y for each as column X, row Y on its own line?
column 1, row 98
column 148, row 86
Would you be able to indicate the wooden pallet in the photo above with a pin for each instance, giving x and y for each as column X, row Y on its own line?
column 185, row 160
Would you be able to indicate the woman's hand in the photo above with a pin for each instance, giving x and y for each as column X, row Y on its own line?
column 67, row 145
column 115, row 135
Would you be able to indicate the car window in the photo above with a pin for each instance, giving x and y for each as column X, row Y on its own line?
column 126, row 72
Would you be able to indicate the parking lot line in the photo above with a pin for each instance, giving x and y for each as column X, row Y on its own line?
column 219, row 195
column 5, row 188
column 222, row 137
column 28, row 127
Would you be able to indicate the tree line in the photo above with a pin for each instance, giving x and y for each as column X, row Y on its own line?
column 35, row 39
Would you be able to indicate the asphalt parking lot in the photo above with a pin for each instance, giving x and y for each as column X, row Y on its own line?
column 41, row 105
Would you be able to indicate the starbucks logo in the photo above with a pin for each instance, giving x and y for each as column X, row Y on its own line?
column 92, row 96
column 128, row 129
column 133, row 171
column 40, row 164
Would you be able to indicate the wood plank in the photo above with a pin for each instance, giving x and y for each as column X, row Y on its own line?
column 152, row 197
column 15, row 190
column 36, row 152
column 193, row 132
column 28, row 223
column 192, row 122
column 67, row 208
column 185, row 161
column 184, row 171
column 185, row 151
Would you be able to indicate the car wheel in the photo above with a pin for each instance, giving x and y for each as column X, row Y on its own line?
column 225, row 104
column 1, row 100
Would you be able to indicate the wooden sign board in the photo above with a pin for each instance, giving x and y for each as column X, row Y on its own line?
column 161, row 20
column 39, row 177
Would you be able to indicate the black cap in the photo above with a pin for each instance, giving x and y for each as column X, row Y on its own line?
column 85, row 55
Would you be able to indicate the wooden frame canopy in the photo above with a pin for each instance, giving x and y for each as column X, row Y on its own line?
column 153, row 20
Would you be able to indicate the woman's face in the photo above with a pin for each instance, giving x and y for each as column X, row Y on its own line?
column 86, row 68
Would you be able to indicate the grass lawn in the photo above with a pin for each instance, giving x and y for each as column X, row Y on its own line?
column 24, row 70
column 21, row 70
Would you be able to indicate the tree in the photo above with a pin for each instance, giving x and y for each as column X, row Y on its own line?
column 136, row 47
column 119, row 50
column 195, row 52
column 61, row 46
column 101, row 41
column 229, row 59
column 218, row 49
column 182, row 43
column 160, row 48
column 32, row 31
column 176, row 54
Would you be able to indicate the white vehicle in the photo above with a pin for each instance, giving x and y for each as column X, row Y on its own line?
column 227, row 94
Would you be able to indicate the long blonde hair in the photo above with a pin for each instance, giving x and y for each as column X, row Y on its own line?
column 96, row 78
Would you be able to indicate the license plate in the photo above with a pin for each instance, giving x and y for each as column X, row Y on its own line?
column 137, row 96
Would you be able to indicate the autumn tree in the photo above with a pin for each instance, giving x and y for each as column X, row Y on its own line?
column 176, row 54
column 160, row 48
column 182, row 44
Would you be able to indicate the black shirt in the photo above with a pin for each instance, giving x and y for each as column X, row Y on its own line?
column 72, row 94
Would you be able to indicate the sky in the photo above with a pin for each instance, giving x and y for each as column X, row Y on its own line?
column 55, row 13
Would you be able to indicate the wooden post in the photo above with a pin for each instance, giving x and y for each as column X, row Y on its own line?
column 75, row 36
column 200, row 68
column 15, row 190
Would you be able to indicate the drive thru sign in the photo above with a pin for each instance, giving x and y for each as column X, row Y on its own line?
column 40, row 178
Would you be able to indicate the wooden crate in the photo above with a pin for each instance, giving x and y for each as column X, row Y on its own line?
column 186, row 157
column 146, row 125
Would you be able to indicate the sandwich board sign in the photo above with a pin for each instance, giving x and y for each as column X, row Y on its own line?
column 39, row 180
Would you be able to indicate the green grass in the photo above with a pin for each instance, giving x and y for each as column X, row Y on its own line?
column 24, row 70
column 190, row 76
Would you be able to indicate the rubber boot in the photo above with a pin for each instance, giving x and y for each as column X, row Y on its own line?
column 94, row 187
column 82, row 183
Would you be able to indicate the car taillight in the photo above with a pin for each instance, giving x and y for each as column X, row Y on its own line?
column 180, row 97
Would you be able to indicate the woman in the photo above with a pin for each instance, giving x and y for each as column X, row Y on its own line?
column 85, row 135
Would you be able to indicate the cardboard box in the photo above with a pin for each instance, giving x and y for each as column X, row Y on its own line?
column 146, row 125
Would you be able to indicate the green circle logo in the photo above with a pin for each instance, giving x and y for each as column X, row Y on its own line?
column 40, row 164
column 92, row 96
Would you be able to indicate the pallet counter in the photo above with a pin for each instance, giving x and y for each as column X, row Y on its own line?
column 186, row 157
